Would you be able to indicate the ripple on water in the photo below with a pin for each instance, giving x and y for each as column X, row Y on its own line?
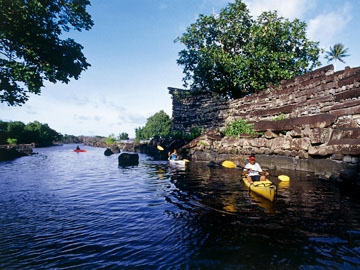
column 66, row 210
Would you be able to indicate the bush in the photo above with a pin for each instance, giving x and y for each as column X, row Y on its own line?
column 194, row 133
column 11, row 141
column 157, row 125
column 110, row 140
column 239, row 127
column 279, row 117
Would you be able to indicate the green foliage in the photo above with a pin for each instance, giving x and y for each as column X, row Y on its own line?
column 239, row 127
column 338, row 52
column 194, row 133
column 279, row 117
column 110, row 140
column 3, row 132
column 32, row 50
column 235, row 55
column 11, row 141
column 69, row 139
column 123, row 136
column 157, row 125
column 33, row 132
column 16, row 130
column 203, row 143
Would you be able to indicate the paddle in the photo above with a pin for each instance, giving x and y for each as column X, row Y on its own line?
column 160, row 148
column 230, row 164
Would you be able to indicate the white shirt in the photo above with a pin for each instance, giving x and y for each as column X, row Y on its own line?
column 255, row 168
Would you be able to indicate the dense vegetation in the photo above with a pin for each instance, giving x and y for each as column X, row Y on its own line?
column 237, row 127
column 158, row 124
column 18, row 133
column 235, row 55
column 32, row 49
column 123, row 136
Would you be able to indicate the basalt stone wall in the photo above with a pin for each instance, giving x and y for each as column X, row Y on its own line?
column 201, row 109
column 321, row 110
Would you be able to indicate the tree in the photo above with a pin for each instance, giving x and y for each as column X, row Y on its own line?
column 16, row 131
column 235, row 55
column 338, row 52
column 123, row 136
column 110, row 140
column 31, row 50
column 40, row 134
column 3, row 132
column 158, row 124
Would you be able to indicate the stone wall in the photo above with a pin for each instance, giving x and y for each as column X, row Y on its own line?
column 202, row 109
column 321, row 110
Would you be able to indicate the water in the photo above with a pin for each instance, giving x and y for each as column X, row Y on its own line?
column 66, row 210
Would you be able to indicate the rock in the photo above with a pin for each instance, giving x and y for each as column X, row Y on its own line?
column 269, row 134
column 296, row 133
column 347, row 159
column 314, row 121
column 300, row 144
column 127, row 159
column 115, row 149
column 337, row 156
column 108, row 152
column 320, row 135
column 9, row 154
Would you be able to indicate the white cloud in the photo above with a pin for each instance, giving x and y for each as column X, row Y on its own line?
column 290, row 9
column 327, row 26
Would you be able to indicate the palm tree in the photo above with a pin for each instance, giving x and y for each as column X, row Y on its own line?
column 338, row 52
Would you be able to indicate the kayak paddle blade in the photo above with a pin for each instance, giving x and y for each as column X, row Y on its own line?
column 284, row 178
column 228, row 164
column 160, row 148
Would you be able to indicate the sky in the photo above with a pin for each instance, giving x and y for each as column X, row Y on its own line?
column 133, row 57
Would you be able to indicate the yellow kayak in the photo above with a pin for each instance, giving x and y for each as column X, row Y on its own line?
column 265, row 188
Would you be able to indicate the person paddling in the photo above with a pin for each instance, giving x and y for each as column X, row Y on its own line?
column 173, row 155
column 77, row 148
column 252, row 169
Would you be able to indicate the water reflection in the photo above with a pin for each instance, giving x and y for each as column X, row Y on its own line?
column 63, row 210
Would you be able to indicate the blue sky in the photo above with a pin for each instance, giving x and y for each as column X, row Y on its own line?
column 133, row 56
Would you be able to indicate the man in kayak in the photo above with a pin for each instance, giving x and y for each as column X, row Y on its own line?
column 252, row 169
column 173, row 155
column 77, row 148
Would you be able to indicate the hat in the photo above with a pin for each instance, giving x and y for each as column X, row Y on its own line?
column 252, row 158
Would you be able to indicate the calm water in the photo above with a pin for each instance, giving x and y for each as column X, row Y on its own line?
column 66, row 210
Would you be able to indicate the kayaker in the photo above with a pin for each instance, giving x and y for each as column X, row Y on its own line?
column 173, row 155
column 253, row 170
column 77, row 148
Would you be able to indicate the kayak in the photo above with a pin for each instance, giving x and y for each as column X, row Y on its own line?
column 177, row 162
column 79, row 151
column 266, row 188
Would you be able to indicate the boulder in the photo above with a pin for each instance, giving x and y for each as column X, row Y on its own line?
column 269, row 134
column 314, row 121
column 10, row 153
column 127, row 159
column 320, row 135
column 115, row 149
column 108, row 152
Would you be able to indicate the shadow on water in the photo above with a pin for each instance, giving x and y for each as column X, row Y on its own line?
column 311, row 224
column 65, row 210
